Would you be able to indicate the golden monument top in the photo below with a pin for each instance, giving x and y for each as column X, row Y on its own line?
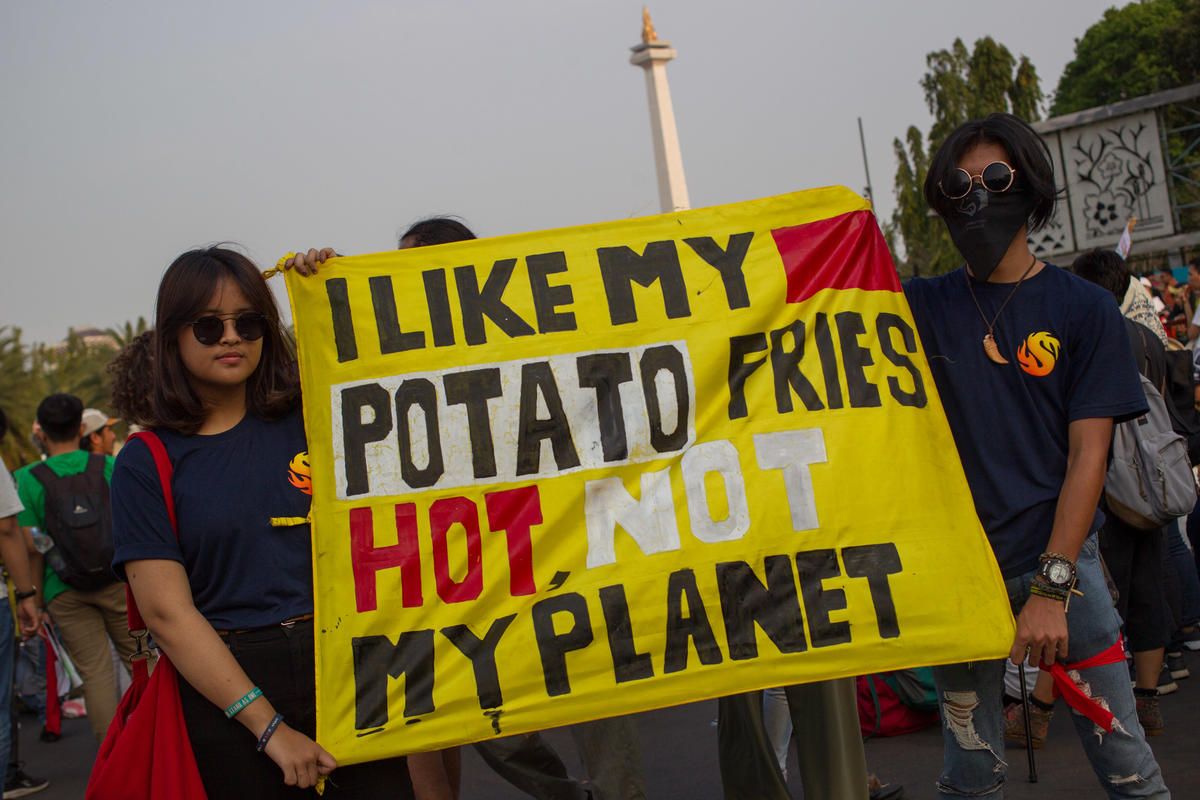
column 649, row 35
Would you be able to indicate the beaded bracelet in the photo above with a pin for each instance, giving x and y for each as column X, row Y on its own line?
column 1041, row 583
column 1041, row 590
column 246, row 699
column 266, row 736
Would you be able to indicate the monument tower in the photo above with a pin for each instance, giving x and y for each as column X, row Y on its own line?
column 652, row 56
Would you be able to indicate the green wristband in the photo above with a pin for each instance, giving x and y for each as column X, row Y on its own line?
column 246, row 699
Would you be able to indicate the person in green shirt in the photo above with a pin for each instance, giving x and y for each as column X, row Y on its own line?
column 88, row 621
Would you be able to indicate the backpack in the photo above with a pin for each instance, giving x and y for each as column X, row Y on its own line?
column 79, row 521
column 893, row 703
column 1149, row 480
column 1179, row 389
column 1180, row 397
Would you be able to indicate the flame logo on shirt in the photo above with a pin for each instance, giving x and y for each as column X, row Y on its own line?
column 1038, row 354
column 300, row 474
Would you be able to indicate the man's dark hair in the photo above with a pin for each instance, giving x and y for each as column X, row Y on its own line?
column 1028, row 156
column 1104, row 268
column 3, row 424
column 60, row 416
column 437, row 230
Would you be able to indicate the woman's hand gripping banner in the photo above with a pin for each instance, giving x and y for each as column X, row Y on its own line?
column 585, row 472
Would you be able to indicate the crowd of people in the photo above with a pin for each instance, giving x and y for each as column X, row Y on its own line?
column 224, row 581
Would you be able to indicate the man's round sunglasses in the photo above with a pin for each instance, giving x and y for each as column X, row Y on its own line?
column 996, row 177
column 250, row 325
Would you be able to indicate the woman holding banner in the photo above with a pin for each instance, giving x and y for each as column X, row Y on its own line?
column 228, row 597
column 608, row 748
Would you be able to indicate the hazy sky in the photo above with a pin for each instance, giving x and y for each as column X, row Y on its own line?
column 135, row 130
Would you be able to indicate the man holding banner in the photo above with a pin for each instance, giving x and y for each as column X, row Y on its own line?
column 1033, row 366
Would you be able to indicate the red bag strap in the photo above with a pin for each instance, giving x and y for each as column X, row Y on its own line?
column 162, row 463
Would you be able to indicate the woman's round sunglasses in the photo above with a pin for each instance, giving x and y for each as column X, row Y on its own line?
column 996, row 177
column 250, row 325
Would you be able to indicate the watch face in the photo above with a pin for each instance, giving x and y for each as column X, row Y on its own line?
column 1057, row 572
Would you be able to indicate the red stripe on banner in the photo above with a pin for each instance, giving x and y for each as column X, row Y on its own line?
column 842, row 252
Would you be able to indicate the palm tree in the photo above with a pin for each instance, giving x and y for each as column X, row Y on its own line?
column 127, row 332
column 32, row 372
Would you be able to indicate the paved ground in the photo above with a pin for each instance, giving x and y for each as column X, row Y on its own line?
column 680, row 756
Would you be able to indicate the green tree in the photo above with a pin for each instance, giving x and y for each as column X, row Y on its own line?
column 927, row 247
column 80, row 369
column 1139, row 49
column 127, row 332
column 959, row 86
column 18, row 397
column 31, row 372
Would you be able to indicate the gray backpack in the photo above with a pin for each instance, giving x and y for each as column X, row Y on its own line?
column 1149, row 481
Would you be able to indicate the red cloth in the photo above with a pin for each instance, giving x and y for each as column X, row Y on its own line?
column 53, row 707
column 1076, row 699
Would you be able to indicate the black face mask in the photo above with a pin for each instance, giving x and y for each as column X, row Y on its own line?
column 983, row 225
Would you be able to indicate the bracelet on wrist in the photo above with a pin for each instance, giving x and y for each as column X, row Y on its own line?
column 1041, row 582
column 266, row 735
column 24, row 595
column 1038, row 589
column 245, row 700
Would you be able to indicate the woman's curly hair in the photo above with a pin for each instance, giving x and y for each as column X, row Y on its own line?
column 131, row 380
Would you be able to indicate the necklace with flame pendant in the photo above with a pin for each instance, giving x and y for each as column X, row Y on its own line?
column 989, row 341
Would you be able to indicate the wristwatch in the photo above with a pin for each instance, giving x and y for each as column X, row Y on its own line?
column 1057, row 571
column 24, row 595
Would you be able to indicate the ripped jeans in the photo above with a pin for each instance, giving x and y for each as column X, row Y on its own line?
column 973, row 720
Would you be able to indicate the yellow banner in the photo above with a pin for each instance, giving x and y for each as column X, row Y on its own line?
column 578, row 473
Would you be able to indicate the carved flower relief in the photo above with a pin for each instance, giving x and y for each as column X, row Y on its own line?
column 1111, row 166
column 1103, row 209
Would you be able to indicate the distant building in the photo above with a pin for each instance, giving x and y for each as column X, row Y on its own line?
column 90, row 336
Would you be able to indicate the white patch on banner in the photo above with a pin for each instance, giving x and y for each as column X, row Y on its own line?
column 792, row 452
column 720, row 457
column 650, row 522
column 451, row 461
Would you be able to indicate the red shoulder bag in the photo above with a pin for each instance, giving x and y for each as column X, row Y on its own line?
column 146, row 752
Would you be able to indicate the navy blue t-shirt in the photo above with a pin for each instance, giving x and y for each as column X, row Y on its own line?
column 244, row 572
column 1069, row 359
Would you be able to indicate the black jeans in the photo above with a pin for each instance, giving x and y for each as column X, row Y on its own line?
column 280, row 661
column 1135, row 561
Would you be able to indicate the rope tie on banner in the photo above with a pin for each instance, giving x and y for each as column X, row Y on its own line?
column 278, row 268
column 1076, row 699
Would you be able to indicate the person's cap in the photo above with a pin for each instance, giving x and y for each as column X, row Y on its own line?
column 94, row 419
